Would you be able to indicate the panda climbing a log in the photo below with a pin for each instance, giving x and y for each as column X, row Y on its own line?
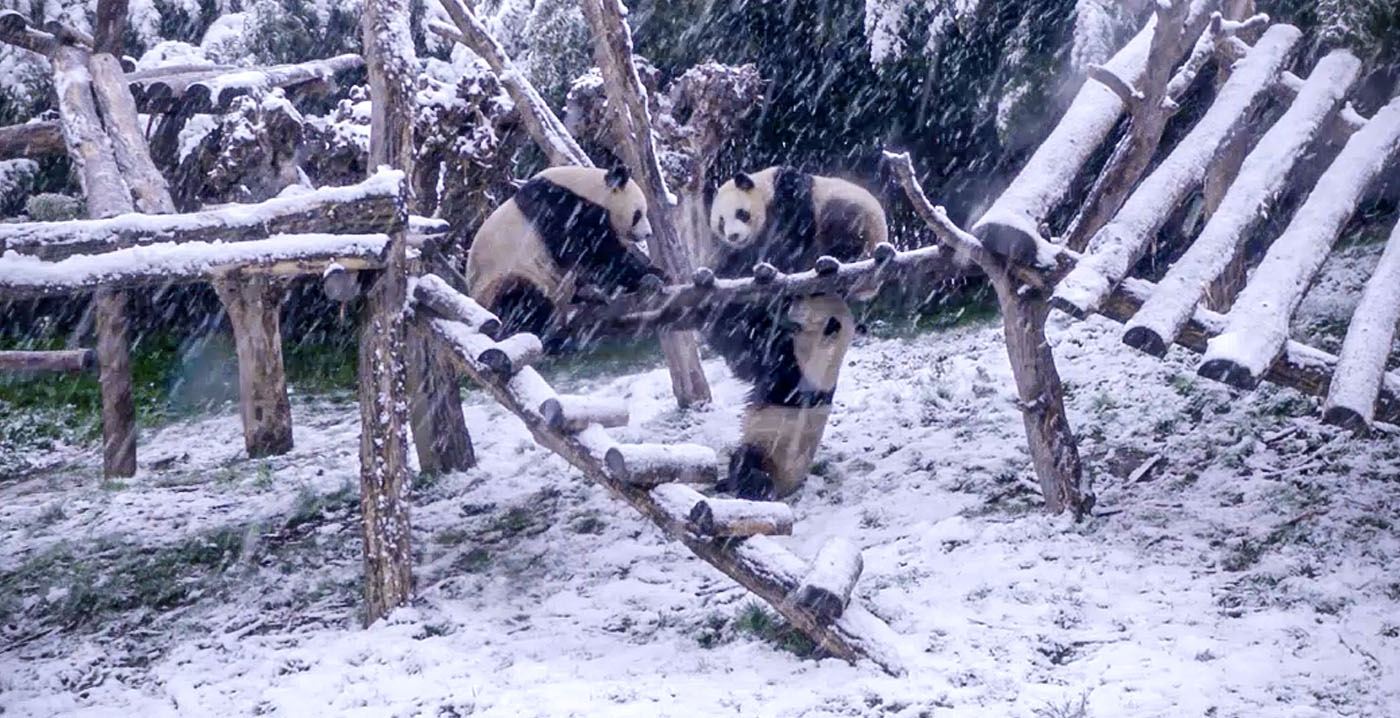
column 791, row 350
column 569, row 235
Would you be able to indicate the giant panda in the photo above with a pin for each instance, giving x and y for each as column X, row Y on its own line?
column 791, row 351
column 569, row 234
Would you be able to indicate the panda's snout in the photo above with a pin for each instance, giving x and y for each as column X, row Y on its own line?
column 734, row 237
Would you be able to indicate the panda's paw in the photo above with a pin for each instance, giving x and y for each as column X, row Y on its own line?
column 756, row 486
column 747, row 479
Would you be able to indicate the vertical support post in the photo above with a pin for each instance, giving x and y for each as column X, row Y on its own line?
column 386, row 530
column 439, row 430
column 114, row 377
column 253, row 304
column 1042, row 397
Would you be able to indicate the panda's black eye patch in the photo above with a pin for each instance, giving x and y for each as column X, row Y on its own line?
column 636, row 217
column 742, row 215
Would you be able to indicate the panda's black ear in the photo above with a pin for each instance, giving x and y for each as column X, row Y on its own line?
column 743, row 182
column 617, row 177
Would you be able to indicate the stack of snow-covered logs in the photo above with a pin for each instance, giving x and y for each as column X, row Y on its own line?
column 1250, row 342
column 815, row 599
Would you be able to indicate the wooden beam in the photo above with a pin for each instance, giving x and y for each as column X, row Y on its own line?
column 64, row 360
column 827, row 588
column 1262, row 177
column 568, row 413
column 175, row 263
column 652, row 464
column 729, row 518
column 1116, row 247
column 1351, row 399
column 32, row 140
column 128, row 139
column 15, row 30
column 214, row 88
column 1257, row 326
column 253, row 304
column 612, row 50
column 373, row 206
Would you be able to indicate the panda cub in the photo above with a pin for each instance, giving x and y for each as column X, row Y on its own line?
column 569, row 234
column 791, row 351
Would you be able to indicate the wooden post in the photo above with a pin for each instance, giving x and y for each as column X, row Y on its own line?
column 612, row 49
column 253, row 304
column 114, row 377
column 439, row 430
column 383, row 397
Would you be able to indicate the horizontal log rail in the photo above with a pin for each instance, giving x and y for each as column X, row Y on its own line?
column 62, row 360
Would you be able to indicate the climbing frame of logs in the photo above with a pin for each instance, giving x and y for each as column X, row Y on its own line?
column 730, row 534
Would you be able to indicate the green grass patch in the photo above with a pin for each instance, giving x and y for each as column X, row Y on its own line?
column 756, row 620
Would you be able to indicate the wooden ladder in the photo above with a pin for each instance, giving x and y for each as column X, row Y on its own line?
column 730, row 534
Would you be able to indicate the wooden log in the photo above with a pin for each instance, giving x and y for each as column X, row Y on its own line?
column 513, row 353
column 826, row 266
column 386, row 529
column 1257, row 327
column 439, row 428
column 568, row 413
column 1351, row 399
column 31, row 140
column 128, row 139
column 728, row 518
column 1262, row 177
column 827, row 588
column 1011, row 226
column 174, row 263
column 767, row 569
column 652, row 464
column 372, row 206
column 1116, row 248
column 765, row 273
column 438, row 296
column 15, row 30
column 612, row 50
column 214, row 88
column 64, row 360
column 1054, row 452
column 253, row 304
column 88, row 146
column 114, row 379
column 109, row 26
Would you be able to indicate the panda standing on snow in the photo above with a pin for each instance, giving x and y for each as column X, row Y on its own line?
column 569, row 234
column 791, row 350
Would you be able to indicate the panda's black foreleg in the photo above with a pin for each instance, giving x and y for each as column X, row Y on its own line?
column 746, row 478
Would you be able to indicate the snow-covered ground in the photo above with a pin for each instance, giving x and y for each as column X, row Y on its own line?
column 1249, row 572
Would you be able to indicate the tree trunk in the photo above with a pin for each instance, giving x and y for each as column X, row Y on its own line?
column 253, row 304
column 383, row 399
column 439, row 430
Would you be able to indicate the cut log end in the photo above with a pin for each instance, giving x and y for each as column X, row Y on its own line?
column 655, row 464
column 1147, row 340
column 1228, row 372
column 1347, row 418
column 737, row 518
column 1068, row 307
column 704, row 278
column 885, row 252
column 827, row 265
column 571, row 414
column 340, row 284
column 826, row 590
column 1009, row 243
column 512, row 354
column 764, row 273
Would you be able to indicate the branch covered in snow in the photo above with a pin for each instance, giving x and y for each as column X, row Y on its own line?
column 215, row 89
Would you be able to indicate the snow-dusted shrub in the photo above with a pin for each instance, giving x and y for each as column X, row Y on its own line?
column 16, row 182
column 171, row 52
column 225, row 41
column 50, row 207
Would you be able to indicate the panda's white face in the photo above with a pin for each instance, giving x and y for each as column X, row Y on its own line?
column 737, row 212
column 627, row 209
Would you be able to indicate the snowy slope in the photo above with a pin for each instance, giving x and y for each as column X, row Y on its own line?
column 1250, row 574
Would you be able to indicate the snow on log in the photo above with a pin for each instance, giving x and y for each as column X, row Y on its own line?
column 827, row 588
column 513, row 353
column 1116, row 247
column 540, row 121
column 1011, row 226
column 339, row 284
column 1256, row 328
column 652, row 464
column 88, row 145
column 373, row 206
column 1261, row 178
column 571, row 413
column 530, row 390
column 32, row 140
column 214, row 88
column 25, row 277
column 741, row 518
column 1351, row 400
column 15, row 30
column 438, row 296
column 128, row 139
column 675, row 502
column 64, row 360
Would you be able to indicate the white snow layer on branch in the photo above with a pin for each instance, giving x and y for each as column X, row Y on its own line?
column 1097, row 27
column 1117, row 246
column 1043, row 180
column 1257, row 325
column 885, row 22
column 1263, row 175
column 178, row 260
column 1361, row 364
